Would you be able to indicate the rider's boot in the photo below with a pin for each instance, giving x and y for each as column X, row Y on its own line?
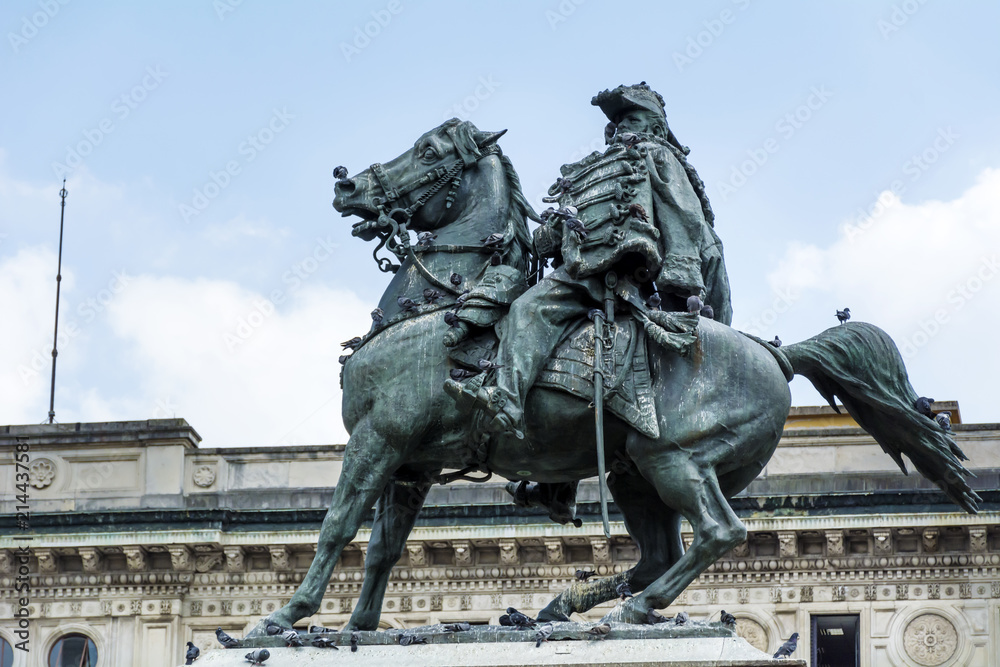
column 456, row 334
column 506, row 413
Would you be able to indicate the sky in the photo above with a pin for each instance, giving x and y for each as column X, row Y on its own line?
column 850, row 150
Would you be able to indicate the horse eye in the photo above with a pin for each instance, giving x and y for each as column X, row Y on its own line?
column 430, row 154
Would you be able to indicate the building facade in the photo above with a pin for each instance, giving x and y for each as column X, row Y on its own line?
column 128, row 539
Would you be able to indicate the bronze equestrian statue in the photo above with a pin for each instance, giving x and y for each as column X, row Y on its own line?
column 694, row 408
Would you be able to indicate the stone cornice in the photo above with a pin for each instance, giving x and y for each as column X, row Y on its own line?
column 150, row 431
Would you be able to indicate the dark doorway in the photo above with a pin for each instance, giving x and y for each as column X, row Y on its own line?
column 836, row 641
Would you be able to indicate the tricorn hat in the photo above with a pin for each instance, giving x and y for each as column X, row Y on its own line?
column 619, row 100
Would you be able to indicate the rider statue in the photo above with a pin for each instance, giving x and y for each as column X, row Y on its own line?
column 639, row 210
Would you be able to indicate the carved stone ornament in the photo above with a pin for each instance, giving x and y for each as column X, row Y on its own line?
column 602, row 550
column 207, row 562
column 788, row 544
column 977, row 539
column 91, row 559
column 554, row 551
column 204, row 476
column 41, row 473
column 47, row 561
column 753, row 632
column 234, row 559
column 930, row 538
column 135, row 558
column 834, row 543
column 463, row 552
column 930, row 640
column 508, row 552
column 180, row 558
column 883, row 541
column 418, row 554
column 280, row 558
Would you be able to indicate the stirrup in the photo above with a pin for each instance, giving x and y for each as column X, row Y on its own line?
column 471, row 394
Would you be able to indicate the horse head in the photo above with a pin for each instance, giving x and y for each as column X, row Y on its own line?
column 420, row 186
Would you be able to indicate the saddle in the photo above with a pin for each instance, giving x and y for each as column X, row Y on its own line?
column 628, row 383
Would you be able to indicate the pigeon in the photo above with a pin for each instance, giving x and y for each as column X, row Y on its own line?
column 583, row 575
column 708, row 311
column 609, row 132
column 425, row 239
column 788, row 647
column 351, row 344
column 576, row 226
column 944, row 419
column 623, row 590
column 226, row 640
column 543, row 634
column 654, row 617
column 694, row 304
column 520, row 620
column 460, row 374
column 319, row 630
column 456, row 627
column 844, row 315
column 291, row 638
column 355, row 640
column 637, row 211
column 488, row 365
column 681, row 618
column 601, row 630
column 923, row 406
column 564, row 184
column 566, row 212
column 546, row 214
column 462, row 298
column 273, row 629
column 451, row 319
column 340, row 172
column 728, row 619
column 324, row 642
column 654, row 301
column 192, row 654
column 431, row 295
column 455, row 279
column 258, row 656
column 343, row 358
column 493, row 240
column 505, row 621
column 408, row 639
column 629, row 139
column 776, row 342
column 407, row 305
column 496, row 259
column 377, row 316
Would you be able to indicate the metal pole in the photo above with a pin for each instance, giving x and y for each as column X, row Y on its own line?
column 599, row 317
column 55, row 334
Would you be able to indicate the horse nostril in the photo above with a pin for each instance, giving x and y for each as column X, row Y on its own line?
column 345, row 187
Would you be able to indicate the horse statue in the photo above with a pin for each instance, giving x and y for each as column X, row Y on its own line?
column 720, row 409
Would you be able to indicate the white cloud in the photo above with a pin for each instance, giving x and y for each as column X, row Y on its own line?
column 240, row 370
column 928, row 274
column 241, row 226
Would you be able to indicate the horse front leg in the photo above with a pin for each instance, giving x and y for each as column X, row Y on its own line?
column 369, row 463
column 395, row 515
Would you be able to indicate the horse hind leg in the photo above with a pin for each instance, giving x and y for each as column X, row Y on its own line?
column 656, row 530
column 694, row 491
column 395, row 514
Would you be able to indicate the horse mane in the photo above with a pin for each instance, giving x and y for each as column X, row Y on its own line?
column 520, row 249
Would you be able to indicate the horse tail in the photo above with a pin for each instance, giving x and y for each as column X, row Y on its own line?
column 860, row 364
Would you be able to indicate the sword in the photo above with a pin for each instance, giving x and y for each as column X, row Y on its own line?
column 599, row 317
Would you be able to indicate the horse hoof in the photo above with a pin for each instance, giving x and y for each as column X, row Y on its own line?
column 627, row 612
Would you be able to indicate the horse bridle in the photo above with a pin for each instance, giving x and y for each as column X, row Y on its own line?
column 390, row 226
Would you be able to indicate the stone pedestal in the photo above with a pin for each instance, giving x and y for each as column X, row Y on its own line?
column 676, row 652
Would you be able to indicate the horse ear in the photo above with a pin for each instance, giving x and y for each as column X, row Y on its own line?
column 484, row 139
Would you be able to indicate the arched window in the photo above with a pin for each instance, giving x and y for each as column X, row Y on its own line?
column 74, row 650
column 6, row 653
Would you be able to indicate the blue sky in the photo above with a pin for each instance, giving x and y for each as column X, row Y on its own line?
column 801, row 118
